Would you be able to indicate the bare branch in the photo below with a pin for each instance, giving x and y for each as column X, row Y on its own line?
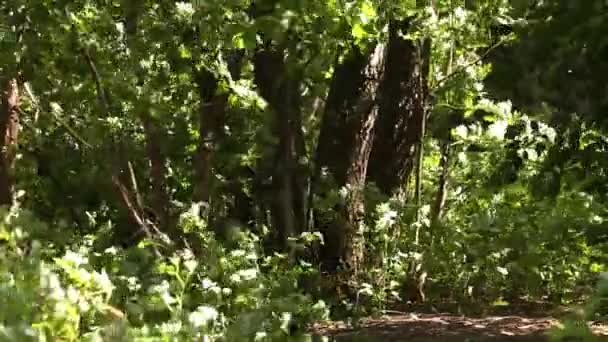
column 101, row 92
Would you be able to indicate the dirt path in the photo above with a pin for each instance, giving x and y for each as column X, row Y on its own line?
column 448, row 328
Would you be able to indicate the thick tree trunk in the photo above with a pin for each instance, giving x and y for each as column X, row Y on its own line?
column 402, row 110
column 212, row 112
column 9, row 127
column 366, row 112
column 345, row 143
column 336, row 135
column 281, row 89
column 332, row 151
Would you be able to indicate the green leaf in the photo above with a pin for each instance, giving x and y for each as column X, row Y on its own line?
column 358, row 31
column 184, row 52
column 250, row 39
column 368, row 12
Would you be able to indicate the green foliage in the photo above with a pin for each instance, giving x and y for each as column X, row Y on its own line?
column 236, row 294
column 515, row 137
column 45, row 300
column 498, row 240
column 596, row 309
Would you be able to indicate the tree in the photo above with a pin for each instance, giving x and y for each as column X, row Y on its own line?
column 403, row 108
column 355, row 109
column 9, row 126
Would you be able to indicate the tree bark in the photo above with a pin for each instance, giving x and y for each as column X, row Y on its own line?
column 212, row 112
column 402, row 109
column 280, row 87
column 366, row 112
column 442, row 183
column 161, row 201
column 345, row 143
column 212, row 116
column 9, row 126
column 336, row 135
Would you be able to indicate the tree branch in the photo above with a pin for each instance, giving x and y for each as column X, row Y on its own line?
column 464, row 67
column 101, row 92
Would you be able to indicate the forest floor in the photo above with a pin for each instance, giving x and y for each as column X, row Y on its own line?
column 503, row 325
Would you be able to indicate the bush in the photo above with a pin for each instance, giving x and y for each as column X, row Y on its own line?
column 595, row 310
column 133, row 294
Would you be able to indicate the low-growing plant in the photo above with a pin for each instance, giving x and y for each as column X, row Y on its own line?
column 235, row 294
column 577, row 325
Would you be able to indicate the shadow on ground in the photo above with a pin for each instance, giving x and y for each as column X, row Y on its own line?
column 440, row 327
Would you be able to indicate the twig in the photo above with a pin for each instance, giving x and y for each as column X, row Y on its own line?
column 133, row 212
column 138, row 198
column 28, row 91
column 101, row 93
column 394, row 312
column 61, row 122
column 124, row 193
column 464, row 67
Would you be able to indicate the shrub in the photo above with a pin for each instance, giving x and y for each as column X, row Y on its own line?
column 133, row 294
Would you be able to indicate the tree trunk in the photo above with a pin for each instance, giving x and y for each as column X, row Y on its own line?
column 161, row 200
column 345, row 143
column 281, row 89
column 366, row 112
column 443, row 182
column 212, row 116
column 9, row 126
column 212, row 112
column 122, row 173
column 336, row 135
column 402, row 109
